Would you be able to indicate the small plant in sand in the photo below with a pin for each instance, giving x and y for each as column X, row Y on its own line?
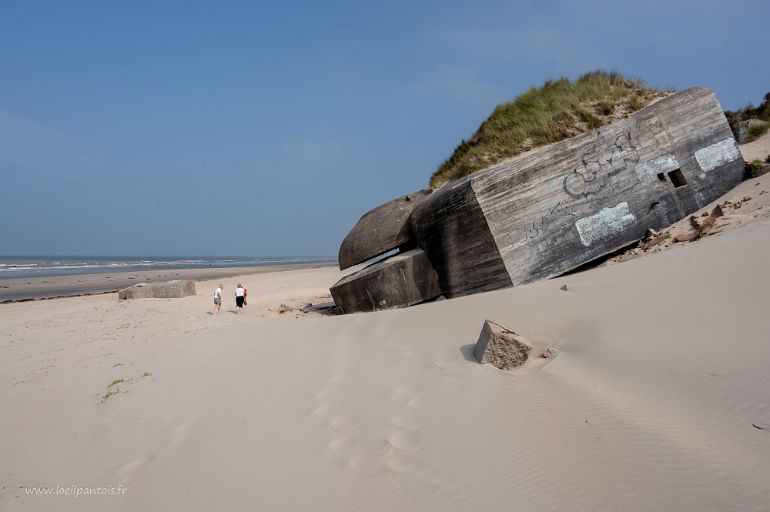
column 110, row 392
column 756, row 166
column 762, row 113
column 107, row 395
column 756, row 131
column 113, row 387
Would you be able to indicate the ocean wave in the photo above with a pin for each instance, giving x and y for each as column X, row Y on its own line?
column 61, row 266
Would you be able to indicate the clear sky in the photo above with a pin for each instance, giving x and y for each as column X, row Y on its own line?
column 248, row 128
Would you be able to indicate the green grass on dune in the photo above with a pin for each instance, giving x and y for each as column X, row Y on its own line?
column 558, row 110
column 762, row 113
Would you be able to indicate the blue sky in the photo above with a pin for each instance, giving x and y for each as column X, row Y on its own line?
column 248, row 128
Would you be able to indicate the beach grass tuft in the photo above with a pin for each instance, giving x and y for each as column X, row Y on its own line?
column 114, row 383
column 110, row 392
column 761, row 113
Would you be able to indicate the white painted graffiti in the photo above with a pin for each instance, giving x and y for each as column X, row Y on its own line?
column 648, row 171
column 717, row 154
column 605, row 224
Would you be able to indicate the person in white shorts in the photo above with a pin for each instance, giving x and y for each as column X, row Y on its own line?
column 218, row 299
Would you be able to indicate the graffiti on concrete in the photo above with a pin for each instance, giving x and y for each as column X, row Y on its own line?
column 605, row 224
column 648, row 171
column 718, row 154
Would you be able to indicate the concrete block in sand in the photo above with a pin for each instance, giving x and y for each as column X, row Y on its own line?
column 501, row 347
column 380, row 230
column 136, row 291
column 165, row 290
column 399, row 281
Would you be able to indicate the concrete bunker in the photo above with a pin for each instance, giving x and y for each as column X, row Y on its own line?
column 546, row 212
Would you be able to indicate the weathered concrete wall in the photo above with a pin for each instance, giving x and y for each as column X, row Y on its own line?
column 163, row 290
column 452, row 229
column 136, row 291
column 561, row 206
column 401, row 280
column 173, row 289
column 380, row 230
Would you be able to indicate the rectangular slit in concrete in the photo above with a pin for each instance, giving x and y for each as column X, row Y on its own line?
column 661, row 177
column 677, row 178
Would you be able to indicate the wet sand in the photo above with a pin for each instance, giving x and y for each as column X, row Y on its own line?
column 46, row 287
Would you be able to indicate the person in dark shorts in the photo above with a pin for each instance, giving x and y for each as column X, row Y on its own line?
column 239, row 297
column 218, row 299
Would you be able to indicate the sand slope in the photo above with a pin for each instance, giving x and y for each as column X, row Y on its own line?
column 664, row 366
column 757, row 150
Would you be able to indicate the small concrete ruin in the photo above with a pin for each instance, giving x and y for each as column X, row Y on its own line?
column 548, row 211
column 381, row 230
column 174, row 289
column 501, row 347
column 402, row 280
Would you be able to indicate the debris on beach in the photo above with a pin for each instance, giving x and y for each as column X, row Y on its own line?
column 501, row 347
column 549, row 352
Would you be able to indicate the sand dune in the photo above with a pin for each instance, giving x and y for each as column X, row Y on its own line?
column 650, row 404
column 757, row 150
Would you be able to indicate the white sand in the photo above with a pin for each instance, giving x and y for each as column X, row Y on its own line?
column 746, row 203
column 664, row 366
column 759, row 149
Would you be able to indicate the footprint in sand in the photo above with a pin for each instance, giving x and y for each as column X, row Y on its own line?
column 180, row 433
column 375, row 442
column 128, row 470
column 403, row 445
column 341, row 423
column 363, row 466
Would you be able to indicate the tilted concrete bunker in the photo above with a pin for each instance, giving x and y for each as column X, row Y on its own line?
column 543, row 213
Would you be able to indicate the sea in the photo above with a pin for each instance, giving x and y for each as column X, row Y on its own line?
column 29, row 266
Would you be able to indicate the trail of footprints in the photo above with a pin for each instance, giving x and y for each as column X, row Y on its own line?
column 376, row 445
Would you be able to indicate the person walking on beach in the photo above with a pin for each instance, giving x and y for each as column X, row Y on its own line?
column 239, row 296
column 218, row 299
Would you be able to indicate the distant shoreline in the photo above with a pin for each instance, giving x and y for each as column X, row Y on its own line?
column 25, row 288
column 38, row 266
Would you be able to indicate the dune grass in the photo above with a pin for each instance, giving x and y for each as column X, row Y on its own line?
column 558, row 110
column 762, row 113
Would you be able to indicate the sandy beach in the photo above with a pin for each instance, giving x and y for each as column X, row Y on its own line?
column 384, row 257
column 46, row 287
column 757, row 150
column 657, row 399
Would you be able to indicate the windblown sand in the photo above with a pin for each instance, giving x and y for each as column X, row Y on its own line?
column 757, row 150
column 657, row 399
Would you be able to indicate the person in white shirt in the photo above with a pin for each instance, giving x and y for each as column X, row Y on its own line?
column 239, row 296
column 218, row 299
